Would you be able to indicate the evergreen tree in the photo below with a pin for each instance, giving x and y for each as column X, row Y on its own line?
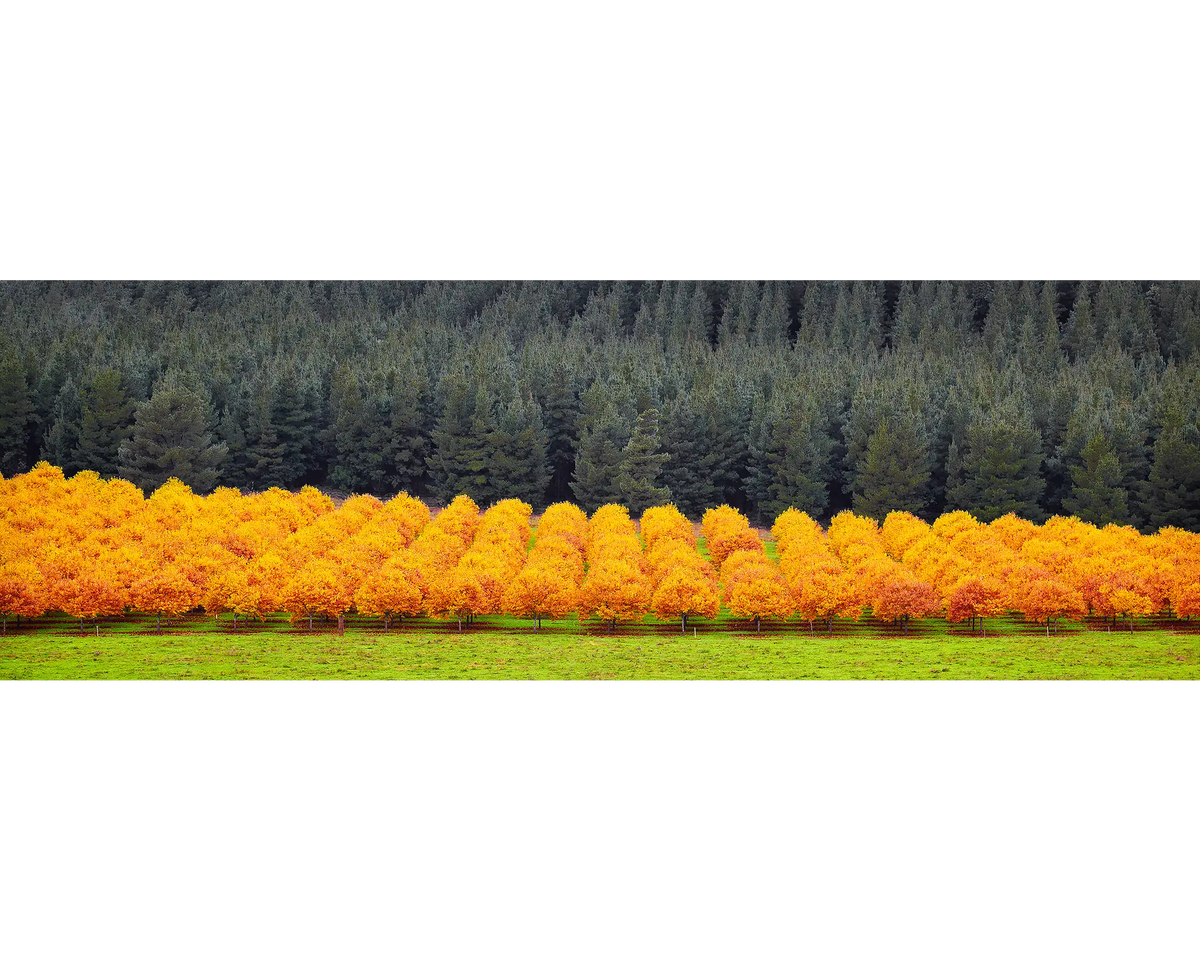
column 235, row 470
column 680, row 427
column 265, row 452
column 357, row 440
column 799, row 458
column 1000, row 472
column 404, row 442
column 459, row 457
column 1083, row 338
column 597, row 462
column 560, row 407
column 1173, row 490
column 637, row 480
column 62, row 440
column 282, row 435
column 998, row 324
column 895, row 474
column 906, row 325
column 756, row 484
column 106, row 424
column 171, row 438
column 1097, row 494
column 518, row 462
column 16, row 416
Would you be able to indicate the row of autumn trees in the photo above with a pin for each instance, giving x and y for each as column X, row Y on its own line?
column 1034, row 398
column 92, row 548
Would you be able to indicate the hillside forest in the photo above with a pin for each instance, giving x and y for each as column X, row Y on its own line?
column 1031, row 398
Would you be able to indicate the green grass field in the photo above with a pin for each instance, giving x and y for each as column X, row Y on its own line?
column 502, row 648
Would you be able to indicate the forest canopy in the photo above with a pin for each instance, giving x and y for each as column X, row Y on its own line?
column 1036, row 398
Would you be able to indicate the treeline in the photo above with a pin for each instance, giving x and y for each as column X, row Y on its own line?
column 992, row 397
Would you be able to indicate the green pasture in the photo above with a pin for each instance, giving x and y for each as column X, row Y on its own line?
column 198, row 647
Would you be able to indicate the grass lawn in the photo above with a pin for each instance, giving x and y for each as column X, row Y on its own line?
column 502, row 648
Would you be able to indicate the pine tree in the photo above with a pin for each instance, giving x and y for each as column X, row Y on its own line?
column 597, row 461
column 1001, row 472
column 282, row 434
column 404, row 442
column 1097, row 491
column 518, row 463
column 1173, row 490
column 637, row 483
column 358, row 449
column 171, row 438
column 235, row 470
column 459, row 456
column 560, row 407
column 265, row 453
column 799, row 458
column 66, row 420
column 16, row 415
column 680, row 427
column 1082, row 340
column 895, row 474
column 107, row 423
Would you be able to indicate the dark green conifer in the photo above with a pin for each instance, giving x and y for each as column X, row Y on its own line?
column 16, row 415
column 171, row 438
column 518, row 462
column 107, row 423
column 1000, row 472
column 637, row 483
column 895, row 473
column 1097, row 491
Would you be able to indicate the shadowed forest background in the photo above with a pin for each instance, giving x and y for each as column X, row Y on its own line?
column 1029, row 397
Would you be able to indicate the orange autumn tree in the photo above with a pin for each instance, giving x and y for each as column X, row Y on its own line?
column 726, row 531
column 455, row 593
column 763, row 596
column 541, row 589
column 317, row 589
column 614, row 590
column 685, row 593
column 388, row 592
column 164, row 591
column 90, row 597
column 20, row 591
column 975, row 598
column 901, row 597
column 822, row 590
column 1049, row 600
column 231, row 589
column 754, row 588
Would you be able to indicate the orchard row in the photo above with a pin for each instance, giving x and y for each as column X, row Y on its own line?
column 93, row 548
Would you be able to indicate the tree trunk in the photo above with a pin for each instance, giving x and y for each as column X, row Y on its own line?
column 758, row 624
column 683, row 623
column 810, row 629
column 310, row 623
column 81, row 626
column 341, row 625
column 158, row 623
column 460, row 623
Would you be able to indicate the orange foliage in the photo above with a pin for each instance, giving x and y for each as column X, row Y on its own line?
column 685, row 593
